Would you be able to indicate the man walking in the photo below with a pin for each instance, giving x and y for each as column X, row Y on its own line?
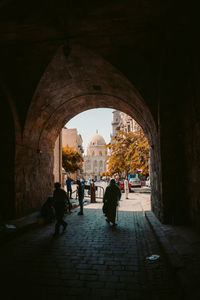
column 59, row 197
column 69, row 187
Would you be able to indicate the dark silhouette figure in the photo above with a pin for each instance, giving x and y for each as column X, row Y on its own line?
column 92, row 191
column 47, row 211
column 60, row 198
column 111, row 200
column 69, row 187
column 80, row 190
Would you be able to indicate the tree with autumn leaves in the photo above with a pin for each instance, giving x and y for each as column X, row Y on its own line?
column 72, row 160
column 129, row 152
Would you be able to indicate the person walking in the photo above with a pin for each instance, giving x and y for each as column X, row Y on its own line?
column 60, row 198
column 80, row 190
column 126, row 188
column 69, row 187
column 111, row 201
column 92, row 191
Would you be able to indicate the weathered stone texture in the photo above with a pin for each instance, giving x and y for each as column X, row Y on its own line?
column 34, row 179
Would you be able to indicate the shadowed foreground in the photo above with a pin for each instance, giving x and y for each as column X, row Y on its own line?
column 91, row 260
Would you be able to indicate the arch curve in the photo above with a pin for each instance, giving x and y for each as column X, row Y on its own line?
column 69, row 86
column 71, row 107
column 71, row 83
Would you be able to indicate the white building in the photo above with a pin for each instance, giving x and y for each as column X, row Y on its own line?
column 95, row 159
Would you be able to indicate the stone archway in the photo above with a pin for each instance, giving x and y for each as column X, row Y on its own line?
column 70, row 85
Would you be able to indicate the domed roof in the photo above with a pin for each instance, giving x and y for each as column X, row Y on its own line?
column 96, row 140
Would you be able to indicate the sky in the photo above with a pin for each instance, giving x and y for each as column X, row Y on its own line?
column 89, row 121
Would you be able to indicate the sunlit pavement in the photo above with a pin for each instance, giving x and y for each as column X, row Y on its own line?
column 91, row 260
column 135, row 202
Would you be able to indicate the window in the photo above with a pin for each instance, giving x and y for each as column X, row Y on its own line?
column 100, row 153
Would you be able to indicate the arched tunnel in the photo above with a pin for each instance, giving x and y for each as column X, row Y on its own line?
column 46, row 79
column 55, row 104
column 60, row 58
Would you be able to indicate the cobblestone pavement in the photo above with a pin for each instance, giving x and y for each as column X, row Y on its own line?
column 91, row 260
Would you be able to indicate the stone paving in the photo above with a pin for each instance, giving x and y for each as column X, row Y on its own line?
column 91, row 260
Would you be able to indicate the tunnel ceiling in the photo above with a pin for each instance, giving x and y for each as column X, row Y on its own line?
column 127, row 33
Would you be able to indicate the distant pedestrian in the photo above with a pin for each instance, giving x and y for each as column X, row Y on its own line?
column 111, row 201
column 80, row 191
column 92, row 191
column 117, row 181
column 69, row 187
column 126, row 188
column 60, row 198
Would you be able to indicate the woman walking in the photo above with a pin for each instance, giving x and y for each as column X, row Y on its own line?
column 111, row 201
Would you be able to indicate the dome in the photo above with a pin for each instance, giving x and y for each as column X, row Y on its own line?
column 96, row 140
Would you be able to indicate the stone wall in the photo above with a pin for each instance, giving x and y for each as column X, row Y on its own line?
column 34, row 178
column 7, row 136
column 179, row 137
column 191, row 139
column 56, row 169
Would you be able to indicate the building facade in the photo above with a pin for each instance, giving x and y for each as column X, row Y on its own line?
column 71, row 138
column 127, row 123
column 96, row 158
column 115, row 123
column 122, row 121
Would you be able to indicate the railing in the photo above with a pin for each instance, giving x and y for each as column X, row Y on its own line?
column 99, row 191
